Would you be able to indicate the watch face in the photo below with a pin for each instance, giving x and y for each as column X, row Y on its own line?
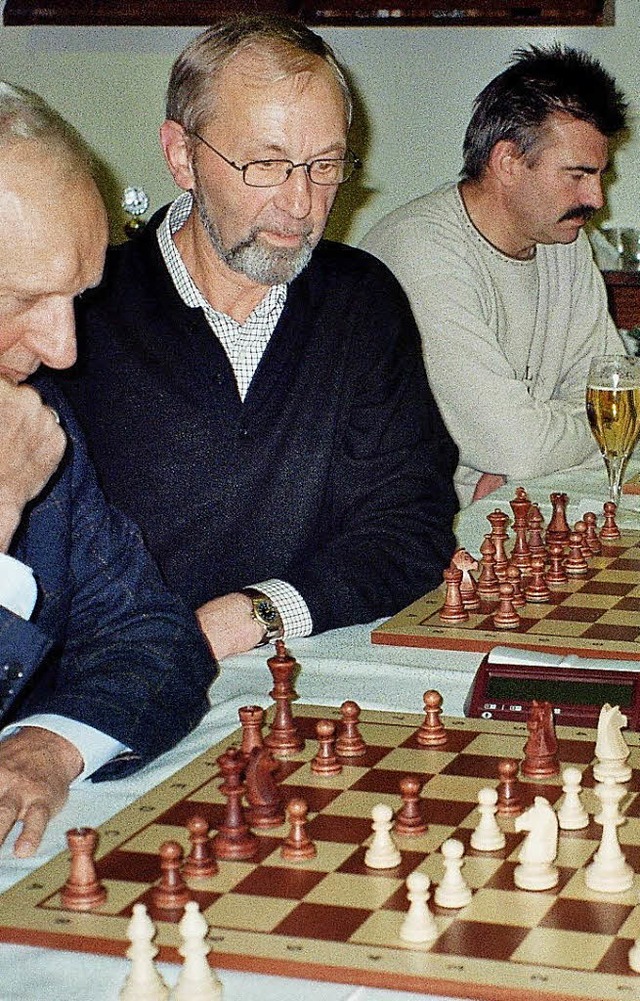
column 266, row 611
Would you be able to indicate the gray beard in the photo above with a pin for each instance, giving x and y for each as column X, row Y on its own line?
column 263, row 265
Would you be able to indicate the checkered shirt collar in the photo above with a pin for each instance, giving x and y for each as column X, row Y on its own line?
column 179, row 211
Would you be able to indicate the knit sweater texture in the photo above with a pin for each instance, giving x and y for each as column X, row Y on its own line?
column 507, row 343
column 334, row 474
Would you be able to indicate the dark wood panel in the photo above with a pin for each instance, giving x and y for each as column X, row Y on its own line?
column 623, row 289
column 339, row 12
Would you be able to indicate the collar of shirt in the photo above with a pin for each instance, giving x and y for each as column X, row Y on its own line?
column 245, row 343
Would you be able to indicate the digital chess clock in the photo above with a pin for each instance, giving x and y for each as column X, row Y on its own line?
column 508, row 680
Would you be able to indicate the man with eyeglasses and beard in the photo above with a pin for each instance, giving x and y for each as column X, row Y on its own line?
column 255, row 396
column 500, row 274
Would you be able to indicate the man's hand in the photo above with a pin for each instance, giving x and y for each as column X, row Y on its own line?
column 31, row 446
column 36, row 770
column 487, row 483
column 228, row 624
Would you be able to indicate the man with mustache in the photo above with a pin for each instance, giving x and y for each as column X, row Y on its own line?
column 500, row 275
column 255, row 396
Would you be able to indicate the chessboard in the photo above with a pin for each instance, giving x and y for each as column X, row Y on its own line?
column 332, row 918
column 594, row 615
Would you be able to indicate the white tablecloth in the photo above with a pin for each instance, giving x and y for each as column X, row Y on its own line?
column 339, row 665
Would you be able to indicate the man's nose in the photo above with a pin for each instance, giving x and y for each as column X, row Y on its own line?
column 294, row 196
column 53, row 340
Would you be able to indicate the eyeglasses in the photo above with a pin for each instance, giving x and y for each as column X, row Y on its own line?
column 271, row 173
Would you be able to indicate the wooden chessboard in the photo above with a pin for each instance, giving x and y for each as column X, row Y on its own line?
column 333, row 919
column 596, row 615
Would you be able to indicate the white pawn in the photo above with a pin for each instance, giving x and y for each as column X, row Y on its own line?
column 453, row 890
column 611, row 748
column 634, row 956
column 539, row 848
column 487, row 837
column 383, row 852
column 572, row 816
column 419, row 924
column 609, row 871
column 197, row 981
column 143, row 980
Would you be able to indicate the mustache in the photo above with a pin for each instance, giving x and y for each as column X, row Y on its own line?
column 585, row 212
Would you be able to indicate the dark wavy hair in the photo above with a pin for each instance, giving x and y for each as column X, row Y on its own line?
column 538, row 83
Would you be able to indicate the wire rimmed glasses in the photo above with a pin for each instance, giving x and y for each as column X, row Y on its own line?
column 325, row 171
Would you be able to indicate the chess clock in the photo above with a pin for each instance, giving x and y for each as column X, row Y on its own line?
column 508, row 680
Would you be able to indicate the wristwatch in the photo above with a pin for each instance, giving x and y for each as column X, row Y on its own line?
column 265, row 612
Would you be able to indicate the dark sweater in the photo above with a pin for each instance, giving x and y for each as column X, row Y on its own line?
column 335, row 474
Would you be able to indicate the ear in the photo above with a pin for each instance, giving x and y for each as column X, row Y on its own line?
column 506, row 161
column 177, row 153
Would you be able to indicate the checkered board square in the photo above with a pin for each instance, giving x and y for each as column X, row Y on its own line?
column 595, row 615
column 331, row 917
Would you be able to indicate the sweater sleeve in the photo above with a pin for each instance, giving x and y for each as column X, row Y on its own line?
column 389, row 507
column 133, row 663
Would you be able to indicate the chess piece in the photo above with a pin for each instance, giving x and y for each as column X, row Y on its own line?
column 465, row 562
column 509, row 799
column 535, row 870
column 541, row 749
column 197, row 981
column 556, row 573
column 283, row 737
column 487, row 836
column 265, row 807
column 171, row 892
column 251, row 719
column 558, row 528
column 572, row 816
column 505, row 616
column 382, row 853
column 514, row 577
column 453, row 890
column 143, row 979
column 591, row 534
column 200, row 862
column 453, row 609
column 325, row 762
column 410, row 819
column 499, row 536
column 609, row 871
column 82, row 891
column 298, row 846
column 535, row 521
column 581, row 528
column 419, row 924
column 349, row 743
column 521, row 554
column 609, row 530
column 575, row 564
column 536, row 588
column 634, row 956
column 234, row 840
column 611, row 748
column 432, row 732
column 488, row 584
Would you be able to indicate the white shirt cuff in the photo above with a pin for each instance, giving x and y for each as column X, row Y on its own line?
column 18, row 588
column 296, row 617
column 95, row 747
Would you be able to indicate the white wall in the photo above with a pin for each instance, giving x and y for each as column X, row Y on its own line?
column 416, row 85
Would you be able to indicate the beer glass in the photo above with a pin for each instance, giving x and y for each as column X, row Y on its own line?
column 613, row 409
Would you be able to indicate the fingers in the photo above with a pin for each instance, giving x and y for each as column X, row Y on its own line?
column 34, row 824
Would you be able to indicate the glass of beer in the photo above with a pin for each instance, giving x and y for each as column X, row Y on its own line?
column 613, row 409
